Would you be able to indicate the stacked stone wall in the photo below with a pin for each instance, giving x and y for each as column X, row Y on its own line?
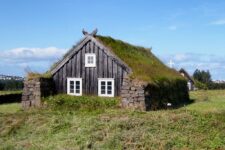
column 133, row 94
column 34, row 90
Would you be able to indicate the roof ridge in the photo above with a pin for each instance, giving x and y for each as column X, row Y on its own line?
column 70, row 53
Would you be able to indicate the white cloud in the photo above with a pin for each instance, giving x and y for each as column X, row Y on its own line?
column 15, row 61
column 172, row 27
column 218, row 22
column 180, row 57
column 31, row 54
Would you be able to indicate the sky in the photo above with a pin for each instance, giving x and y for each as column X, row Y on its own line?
column 35, row 34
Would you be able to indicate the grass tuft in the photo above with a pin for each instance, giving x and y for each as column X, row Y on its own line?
column 145, row 65
column 35, row 75
column 10, row 92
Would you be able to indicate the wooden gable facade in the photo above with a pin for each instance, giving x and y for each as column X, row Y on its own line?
column 107, row 66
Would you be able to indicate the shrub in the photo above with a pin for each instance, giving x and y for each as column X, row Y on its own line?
column 67, row 102
column 10, row 98
column 200, row 85
column 167, row 91
column 11, row 84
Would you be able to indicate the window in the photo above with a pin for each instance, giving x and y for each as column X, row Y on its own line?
column 74, row 86
column 106, row 87
column 90, row 60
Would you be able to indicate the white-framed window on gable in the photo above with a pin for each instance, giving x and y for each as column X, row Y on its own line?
column 106, row 87
column 74, row 86
column 90, row 60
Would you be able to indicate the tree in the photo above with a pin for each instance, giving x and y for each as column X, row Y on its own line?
column 202, row 76
column 1, row 85
column 11, row 85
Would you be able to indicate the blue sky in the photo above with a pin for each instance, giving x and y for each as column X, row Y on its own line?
column 34, row 34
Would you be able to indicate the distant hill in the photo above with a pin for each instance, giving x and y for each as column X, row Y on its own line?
column 7, row 77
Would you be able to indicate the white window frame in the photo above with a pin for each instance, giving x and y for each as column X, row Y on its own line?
column 68, row 86
column 87, row 64
column 106, row 87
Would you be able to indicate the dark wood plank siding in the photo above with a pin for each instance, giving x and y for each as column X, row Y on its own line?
column 106, row 67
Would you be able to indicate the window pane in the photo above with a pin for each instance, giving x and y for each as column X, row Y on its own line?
column 90, row 59
column 102, row 87
column 102, row 91
column 109, row 91
column 71, row 86
column 102, row 82
column 77, row 87
column 109, row 83
column 109, row 87
column 71, row 82
column 77, row 91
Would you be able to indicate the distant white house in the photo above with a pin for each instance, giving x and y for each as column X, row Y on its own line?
column 190, row 81
column 219, row 81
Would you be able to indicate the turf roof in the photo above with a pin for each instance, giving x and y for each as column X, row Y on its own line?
column 145, row 65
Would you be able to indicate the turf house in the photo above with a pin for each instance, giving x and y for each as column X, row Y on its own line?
column 106, row 67
column 190, row 81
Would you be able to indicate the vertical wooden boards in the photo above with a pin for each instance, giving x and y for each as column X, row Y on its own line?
column 69, row 68
column 118, row 80
column 73, row 65
column 61, row 80
column 95, row 77
column 83, row 70
column 109, row 67
column 91, row 71
column 64, row 78
column 101, row 64
column 106, row 67
column 81, row 63
column 79, row 60
column 56, row 81
column 115, row 76
column 87, row 71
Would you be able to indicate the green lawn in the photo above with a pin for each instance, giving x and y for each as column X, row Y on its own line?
column 10, row 108
column 208, row 101
column 200, row 125
column 10, row 92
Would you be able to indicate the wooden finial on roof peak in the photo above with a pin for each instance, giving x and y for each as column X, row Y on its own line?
column 93, row 33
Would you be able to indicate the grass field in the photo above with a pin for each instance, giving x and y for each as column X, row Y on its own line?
column 9, row 92
column 200, row 125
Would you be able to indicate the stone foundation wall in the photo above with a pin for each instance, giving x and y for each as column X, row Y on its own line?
column 34, row 90
column 133, row 94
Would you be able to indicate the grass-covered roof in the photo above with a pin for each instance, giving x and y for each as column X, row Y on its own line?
column 145, row 65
